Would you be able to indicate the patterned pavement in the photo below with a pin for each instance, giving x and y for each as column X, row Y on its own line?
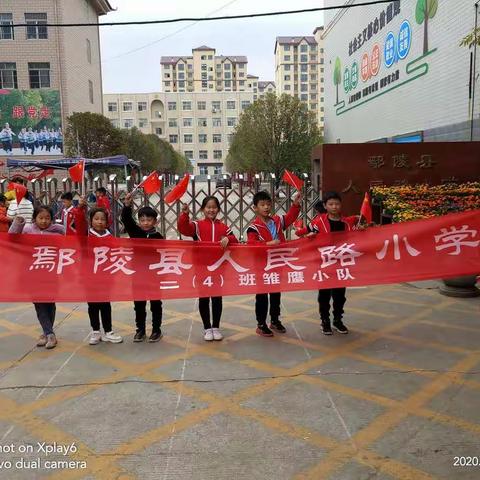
column 397, row 398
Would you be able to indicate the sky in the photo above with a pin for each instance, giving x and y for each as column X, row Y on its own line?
column 139, row 71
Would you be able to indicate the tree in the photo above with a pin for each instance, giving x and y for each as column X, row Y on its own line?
column 92, row 135
column 425, row 9
column 337, row 75
column 471, row 39
column 273, row 134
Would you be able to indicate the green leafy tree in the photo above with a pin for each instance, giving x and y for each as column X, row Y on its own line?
column 273, row 134
column 473, row 38
column 337, row 75
column 425, row 10
column 92, row 135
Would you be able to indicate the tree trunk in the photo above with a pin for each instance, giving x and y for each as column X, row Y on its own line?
column 425, row 32
column 337, row 95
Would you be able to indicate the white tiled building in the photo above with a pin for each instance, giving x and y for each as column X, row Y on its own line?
column 299, row 70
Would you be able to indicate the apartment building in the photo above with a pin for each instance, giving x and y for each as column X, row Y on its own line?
column 204, row 71
column 199, row 125
column 299, row 70
column 266, row 87
column 66, row 60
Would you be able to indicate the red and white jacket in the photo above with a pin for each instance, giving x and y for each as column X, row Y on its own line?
column 82, row 225
column 320, row 224
column 204, row 230
column 258, row 232
column 68, row 220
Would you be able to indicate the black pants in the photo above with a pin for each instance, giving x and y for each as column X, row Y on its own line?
column 261, row 307
column 141, row 314
column 105, row 310
column 204, row 308
column 339, row 299
column 46, row 316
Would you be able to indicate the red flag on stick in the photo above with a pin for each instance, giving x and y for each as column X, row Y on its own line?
column 151, row 184
column 77, row 172
column 292, row 180
column 20, row 191
column 366, row 210
column 178, row 190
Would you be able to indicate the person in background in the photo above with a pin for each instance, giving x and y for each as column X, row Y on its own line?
column 4, row 220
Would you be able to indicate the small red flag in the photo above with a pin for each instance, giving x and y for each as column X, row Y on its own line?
column 292, row 180
column 366, row 210
column 178, row 190
column 151, row 184
column 77, row 172
column 20, row 191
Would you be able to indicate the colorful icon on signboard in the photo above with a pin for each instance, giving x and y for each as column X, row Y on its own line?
column 354, row 76
column 404, row 39
column 375, row 60
column 390, row 51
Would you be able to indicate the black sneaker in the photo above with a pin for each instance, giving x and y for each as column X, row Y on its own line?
column 326, row 328
column 340, row 327
column 264, row 331
column 277, row 325
column 139, row 336
column 155, row 336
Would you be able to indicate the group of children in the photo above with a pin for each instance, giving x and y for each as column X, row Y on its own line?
column 265, row 229
column 47, row 139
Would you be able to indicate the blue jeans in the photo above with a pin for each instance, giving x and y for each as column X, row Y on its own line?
column 46, row 316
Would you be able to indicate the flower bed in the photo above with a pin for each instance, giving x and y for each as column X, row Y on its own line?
column 413, row 202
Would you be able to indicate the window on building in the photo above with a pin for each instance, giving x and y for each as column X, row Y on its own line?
column 189, row 66
column 205, row 85
column 142, row 106
column 321, row 61
column 181, row 84
column 173, row 138
column 216, row 105
column 112, row 106
column 322, row 89
column 231, row 121
column 286, row 58
column 217, row 154
column 304, row 97
column 228, row 84
column 181, row 66
column 313, row 96
column 231, row 105
column 304, row 48
column 158, row 130
column 304, row 68
column 313, row 106
column 313, row 86
column 210, row 57
column 303, row 58
column 8, row 75
column 89, row 51
column 227, row 66
column 142, row 123
column 128, row 123
column 217, row 122
column 188, row 122
column 127, row 106
column 286, row 48
column 202, row 122
column 203, row 169
column 304, row 77
column 90, row 91
column 36, row 26
column 313, row 77
column 114, row 122
column 202, row 138
column 228, row 75
column 217, row 169
column 39, row 74
column 287, row 87
column 186, row 105
column 217, row 138
column 245, row 104
column 188, row 154
column 188, row 138
column 172, row 105
column 241, row 74
column 287, row 68
column 6, row 29
column 203, row 154
column 201, row 105
column 286, row 78
column 304, row 87
column 172, row 122
column 181, row 76
column 241, row 83
column 313, row 58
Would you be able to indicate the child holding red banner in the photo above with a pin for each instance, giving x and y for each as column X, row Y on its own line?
column 98, row 228
column 323, row 224
column 268, row 230
column 147, row 219
column 41, row 225
column 208, row 230
column 4, row 220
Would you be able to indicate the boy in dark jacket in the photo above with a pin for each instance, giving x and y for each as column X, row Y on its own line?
column 268, row 230
column 147, row 219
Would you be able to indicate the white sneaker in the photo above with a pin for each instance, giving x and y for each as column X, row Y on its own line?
column 95, row 338
column 112, row 337
column 208, row 337
column 217, row 335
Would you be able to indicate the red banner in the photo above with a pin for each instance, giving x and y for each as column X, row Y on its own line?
column 69, row 269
